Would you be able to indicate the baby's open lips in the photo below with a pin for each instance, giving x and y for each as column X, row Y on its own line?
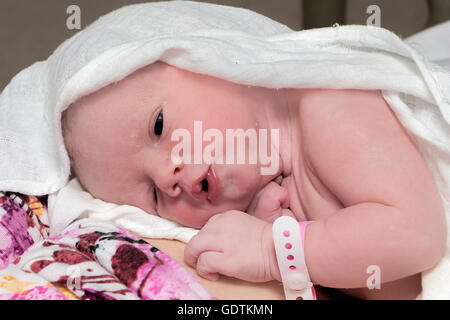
column 207, row 186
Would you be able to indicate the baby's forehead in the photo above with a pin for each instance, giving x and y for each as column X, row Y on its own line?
column 161, row 81
column 137, row 82
column 116, row 100
column 145, row 81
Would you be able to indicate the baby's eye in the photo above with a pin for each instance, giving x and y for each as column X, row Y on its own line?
column 159, row 124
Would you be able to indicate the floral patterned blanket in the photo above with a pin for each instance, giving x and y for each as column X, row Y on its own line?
column 90, row 259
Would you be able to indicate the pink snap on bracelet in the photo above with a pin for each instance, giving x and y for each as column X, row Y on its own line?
column 289, row 239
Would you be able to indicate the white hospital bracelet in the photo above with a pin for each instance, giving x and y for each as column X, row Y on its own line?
column 288, row 237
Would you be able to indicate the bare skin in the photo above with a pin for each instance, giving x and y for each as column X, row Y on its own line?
column 345, row 161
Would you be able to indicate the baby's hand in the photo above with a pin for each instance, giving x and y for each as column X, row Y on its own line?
column 234, row 244
column 270, row 203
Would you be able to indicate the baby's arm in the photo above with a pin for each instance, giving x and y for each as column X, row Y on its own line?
column 392, row 215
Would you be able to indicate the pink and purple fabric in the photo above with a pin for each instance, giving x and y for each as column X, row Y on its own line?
column 91, row 259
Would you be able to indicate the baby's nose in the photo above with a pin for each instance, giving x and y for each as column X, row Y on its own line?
column 171, row 179
column 173, row 191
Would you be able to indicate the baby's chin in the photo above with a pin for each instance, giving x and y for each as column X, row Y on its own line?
column 198, row 218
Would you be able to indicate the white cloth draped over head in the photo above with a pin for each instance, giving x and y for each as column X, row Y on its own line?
column 230, row 43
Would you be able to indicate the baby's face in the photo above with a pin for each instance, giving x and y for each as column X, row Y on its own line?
column 120, row 139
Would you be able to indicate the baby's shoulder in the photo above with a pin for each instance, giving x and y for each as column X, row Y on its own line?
column 337, row 123
column 329, row 115
column 330, row 105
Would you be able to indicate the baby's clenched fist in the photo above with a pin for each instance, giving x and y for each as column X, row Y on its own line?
column 234, row 244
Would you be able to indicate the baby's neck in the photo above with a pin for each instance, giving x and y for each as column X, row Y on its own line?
column 283, row 114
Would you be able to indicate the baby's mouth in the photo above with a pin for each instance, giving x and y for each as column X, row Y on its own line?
column 207, row 187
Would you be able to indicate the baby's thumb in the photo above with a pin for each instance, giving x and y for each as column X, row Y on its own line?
column 209, row 265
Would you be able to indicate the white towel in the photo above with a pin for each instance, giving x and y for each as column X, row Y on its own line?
column 231, row 43
column 71, row 202
column 433, row 43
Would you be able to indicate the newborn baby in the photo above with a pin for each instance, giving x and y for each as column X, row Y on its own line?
column 345, row 163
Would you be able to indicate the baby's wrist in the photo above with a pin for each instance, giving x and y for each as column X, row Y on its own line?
column 274, row 270
column 289, row 238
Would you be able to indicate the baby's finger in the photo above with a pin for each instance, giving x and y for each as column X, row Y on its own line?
column 208, row 265
column 197, row 245
column 284, row 198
